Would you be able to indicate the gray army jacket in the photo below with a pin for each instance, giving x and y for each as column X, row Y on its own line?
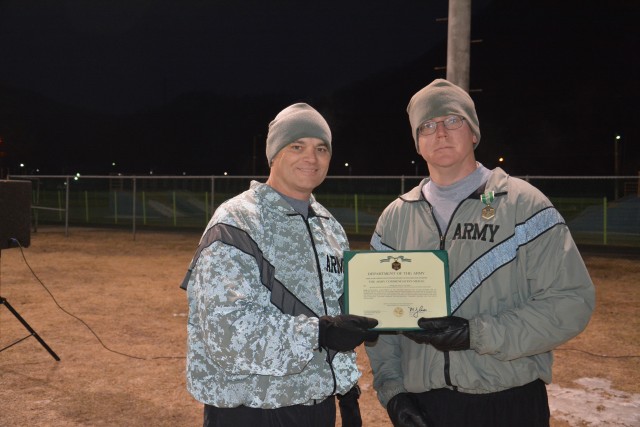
column 518, row 277
column 260, row 280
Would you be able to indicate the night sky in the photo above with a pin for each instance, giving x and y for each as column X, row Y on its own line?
column 188, row 87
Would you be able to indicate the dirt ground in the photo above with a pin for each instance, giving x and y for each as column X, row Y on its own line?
column 118, row 325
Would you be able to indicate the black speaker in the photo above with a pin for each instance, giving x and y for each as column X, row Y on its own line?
column 15, row 213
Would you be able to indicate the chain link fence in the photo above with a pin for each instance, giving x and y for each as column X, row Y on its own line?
column 599, row 210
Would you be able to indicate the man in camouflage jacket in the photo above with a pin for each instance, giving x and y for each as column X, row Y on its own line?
column 267, row 343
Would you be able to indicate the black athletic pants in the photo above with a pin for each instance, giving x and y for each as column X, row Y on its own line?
column 525, row 406
column 322, row 414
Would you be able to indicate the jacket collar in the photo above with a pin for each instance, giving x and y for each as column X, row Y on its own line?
column 266, row 192
column 497, row 183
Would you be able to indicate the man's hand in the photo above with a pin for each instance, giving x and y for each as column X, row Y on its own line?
column 444, row 333
column 346, row 331
column 404, row 411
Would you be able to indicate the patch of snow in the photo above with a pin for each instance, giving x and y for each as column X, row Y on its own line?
column 595, row 404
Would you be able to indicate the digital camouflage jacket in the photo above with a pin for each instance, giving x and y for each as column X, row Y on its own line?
column 260, row 279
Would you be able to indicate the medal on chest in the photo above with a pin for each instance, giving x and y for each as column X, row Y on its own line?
column 488, row 211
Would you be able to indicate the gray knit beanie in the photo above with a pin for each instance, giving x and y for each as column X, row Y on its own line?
column 441, row 98
column 295, row 122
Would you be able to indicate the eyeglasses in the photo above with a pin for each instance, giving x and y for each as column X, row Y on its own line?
column 450, row 123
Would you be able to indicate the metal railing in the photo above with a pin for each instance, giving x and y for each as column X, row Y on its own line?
column 600, row 210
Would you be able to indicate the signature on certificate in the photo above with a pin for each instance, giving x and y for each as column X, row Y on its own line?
column 417, row 311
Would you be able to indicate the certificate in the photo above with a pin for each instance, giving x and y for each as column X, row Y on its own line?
column 397, row 287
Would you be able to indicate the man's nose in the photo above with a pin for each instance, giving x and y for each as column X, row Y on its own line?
column 311, row 154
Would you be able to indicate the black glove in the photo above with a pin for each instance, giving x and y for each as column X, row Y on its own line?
column 346, row 331
column 404, row 411
column 444, row 333
column 350, row 408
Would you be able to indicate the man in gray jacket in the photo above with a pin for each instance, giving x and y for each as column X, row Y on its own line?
column 519, row 287
column 267, row 343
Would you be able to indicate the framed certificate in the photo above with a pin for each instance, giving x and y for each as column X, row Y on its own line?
column 397, row 287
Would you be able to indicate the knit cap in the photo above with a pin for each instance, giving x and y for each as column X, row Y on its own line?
column 294, row 122
column 441, row 98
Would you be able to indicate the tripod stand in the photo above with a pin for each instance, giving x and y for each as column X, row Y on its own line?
column 3, row 301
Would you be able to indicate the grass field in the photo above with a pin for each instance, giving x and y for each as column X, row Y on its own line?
column 118, row 326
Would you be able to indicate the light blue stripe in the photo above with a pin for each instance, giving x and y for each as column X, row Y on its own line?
column 501, row 254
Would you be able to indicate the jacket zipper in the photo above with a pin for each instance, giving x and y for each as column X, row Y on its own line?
column 447, row 360
column 324, row 302
column 480, row 190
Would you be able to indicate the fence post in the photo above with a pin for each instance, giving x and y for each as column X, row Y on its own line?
column 206, row 207
column 86, row 206
column 133, row 208
column 355, row 200
column 175, row 218
column 144, row 208
column 35, row 212
column 213, row 193
column 60, row 205
column 66, row 210
column 604, row 225
column 115, row 206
